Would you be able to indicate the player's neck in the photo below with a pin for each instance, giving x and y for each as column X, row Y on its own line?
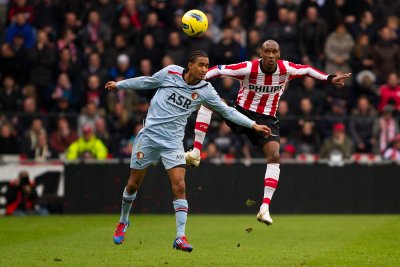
column 268, row 68
column 190, row 79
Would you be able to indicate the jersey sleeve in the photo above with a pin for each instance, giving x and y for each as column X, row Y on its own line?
column 236, row 71
column 300, row 71
column 144, row 82
column 213, row 100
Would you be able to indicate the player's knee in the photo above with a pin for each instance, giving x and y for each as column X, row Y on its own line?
column 179, row 187
column 274, row 157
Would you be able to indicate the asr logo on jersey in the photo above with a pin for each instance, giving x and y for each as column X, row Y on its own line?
column 266, row 88
column 180, row 100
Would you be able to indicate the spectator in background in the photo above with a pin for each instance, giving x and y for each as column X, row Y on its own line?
column 47, row 16
column 10, row 98
column 95, row 33
column 67, row 41
column 288, row 38
column 308, row 89
column 29, row 112
column 149, row 50
column 390, row 92
column 214, row 31
column 21, row 28
column 8, row 140
column 153, row 26
column 385, row 129
column 119, row 47
column 361, row 57
column 64, row 89
column 62, row 137
column 88, row 117
column 253, row 44
column 338, row 144
column 22, row 7
column 126, row 144
column 227, row 142
column 361, row 123
column 176, row 49
column 106, row 10
column 124, row 29
column 239, row 32
column 22, row 197
column 228, row 50
column 338, row 47
column 102, row 133
column 94, row 91
column 41, row 151
column 30, row 138
column 386, row 55
column 393, row 152
column 312, row 35
column 307, row 140
column 87, row 146
column 42, row 59
column 214, row 8
column 132, row 11
column 260, row 22
column 67, row 65
column 95, row 67
column 123, row 70
column 8, row 60
column 364, row 26
column 365, row 85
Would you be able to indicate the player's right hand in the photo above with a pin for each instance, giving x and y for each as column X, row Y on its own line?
column 263, row 129
column 111, row 86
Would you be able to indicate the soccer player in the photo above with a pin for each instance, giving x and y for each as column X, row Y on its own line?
column 180, row 92
column 262, row 84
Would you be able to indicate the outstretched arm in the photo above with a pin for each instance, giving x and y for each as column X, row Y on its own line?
column 237, row 71
column 299, row 71
column 139, row 83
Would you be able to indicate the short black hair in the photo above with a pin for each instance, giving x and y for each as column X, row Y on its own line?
column 195, row 54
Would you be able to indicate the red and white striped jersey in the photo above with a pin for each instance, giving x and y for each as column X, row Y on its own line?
column 260, row 92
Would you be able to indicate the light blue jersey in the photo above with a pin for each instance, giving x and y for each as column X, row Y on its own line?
column 169, row 109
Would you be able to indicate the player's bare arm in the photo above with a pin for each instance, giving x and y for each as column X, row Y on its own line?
column 340, row 79
column 111, row 86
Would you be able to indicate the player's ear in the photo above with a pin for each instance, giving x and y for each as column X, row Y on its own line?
column 190, row 65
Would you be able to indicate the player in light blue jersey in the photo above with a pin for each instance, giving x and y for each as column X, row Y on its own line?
column 180, row 92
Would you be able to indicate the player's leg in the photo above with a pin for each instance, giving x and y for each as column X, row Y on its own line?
column 177, row 177
column 144, row 153
column 202, row 122
column 128, row 196
column 271, row 152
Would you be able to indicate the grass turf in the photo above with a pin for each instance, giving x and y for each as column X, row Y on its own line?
column 231, row 240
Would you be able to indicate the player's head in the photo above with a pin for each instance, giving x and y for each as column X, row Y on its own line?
column 270, row 52
column 198, row 64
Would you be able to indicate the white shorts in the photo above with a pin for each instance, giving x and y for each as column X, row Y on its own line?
column 146, row 151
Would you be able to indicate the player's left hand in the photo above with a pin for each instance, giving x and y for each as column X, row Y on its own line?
column 263, row 129
column 339, row 79
column 111, row 86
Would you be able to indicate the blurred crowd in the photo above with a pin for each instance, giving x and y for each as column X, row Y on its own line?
column 55, row 57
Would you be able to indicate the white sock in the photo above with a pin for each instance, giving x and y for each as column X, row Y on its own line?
column 202, row 122
column 181, row 209
column 126, row 206
column 270, row 184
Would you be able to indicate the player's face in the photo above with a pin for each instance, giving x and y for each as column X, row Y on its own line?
column 270, row 53
column 199, row 68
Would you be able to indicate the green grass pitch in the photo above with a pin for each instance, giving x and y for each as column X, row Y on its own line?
column 218, row 240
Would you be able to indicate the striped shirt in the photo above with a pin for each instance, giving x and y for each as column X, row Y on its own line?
column 260, row 92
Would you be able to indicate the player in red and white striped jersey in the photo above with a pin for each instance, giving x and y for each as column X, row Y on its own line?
column 262, row 84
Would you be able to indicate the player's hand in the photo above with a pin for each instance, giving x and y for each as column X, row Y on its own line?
column 339, row 79
column 263, row 129
column 111, row 86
